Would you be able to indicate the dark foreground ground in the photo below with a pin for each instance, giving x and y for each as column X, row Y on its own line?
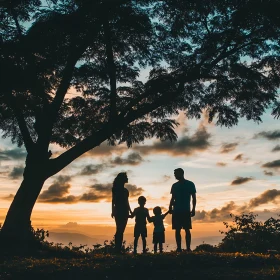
column 166, row 266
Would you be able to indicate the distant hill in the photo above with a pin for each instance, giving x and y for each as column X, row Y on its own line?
column 75, row 238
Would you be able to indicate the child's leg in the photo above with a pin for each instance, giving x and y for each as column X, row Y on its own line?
column 135, row 243
column 160, row 247
column 144, row 244
column 155, row 247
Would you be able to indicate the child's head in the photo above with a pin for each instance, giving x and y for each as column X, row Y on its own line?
column 141, row 200
column 157, row 211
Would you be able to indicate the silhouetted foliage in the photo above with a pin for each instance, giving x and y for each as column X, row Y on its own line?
column 246, row 234
column 206, row 248
column 221, row 57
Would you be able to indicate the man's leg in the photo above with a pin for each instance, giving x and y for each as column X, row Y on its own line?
column 155, row 247
column 178, row 239
column 188, row 239
column 160, row 247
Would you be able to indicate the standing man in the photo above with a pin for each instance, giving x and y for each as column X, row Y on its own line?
column 179, row 206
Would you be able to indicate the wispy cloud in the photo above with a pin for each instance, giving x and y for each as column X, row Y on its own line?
column 268, row 173
column 276, row 148
column 272, row 164
column 186, row 145
column 221, row 164
column 239, row 157
column 270, row 135
column 228, row 147
column 131, row 159
column 241, row 180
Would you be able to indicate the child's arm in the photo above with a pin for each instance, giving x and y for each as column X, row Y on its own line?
column 165, row 214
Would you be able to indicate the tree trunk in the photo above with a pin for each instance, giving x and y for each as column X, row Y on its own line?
column 16, row 232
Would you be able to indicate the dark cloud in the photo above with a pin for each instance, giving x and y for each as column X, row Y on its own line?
column 272, row 164
column 239, row 157
column 241, row 180
column 13, row 154
column 270, row 135
column 276, row 148
column 17, row 172
column 223, row 213
column 265, row 197
column 228, row 147
column 268, row 173
column 58, row 192
column 103, row 192
column 132, row 159
column 186, row 145
column 221, row 164
column 92, row 169
column 106, row 150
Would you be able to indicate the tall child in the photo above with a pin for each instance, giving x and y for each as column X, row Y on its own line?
column 158, row 235
column 141, row 215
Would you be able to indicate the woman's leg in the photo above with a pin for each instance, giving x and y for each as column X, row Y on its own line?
column 121, row 225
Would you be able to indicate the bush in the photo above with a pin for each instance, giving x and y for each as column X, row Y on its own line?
column 248, row 235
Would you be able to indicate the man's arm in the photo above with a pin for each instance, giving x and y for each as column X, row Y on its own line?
column 171, row 204
column 132, row 215
column 193, row 204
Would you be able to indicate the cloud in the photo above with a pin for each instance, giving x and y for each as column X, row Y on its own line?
column 228, row 147
column 187, row 145
column 270, row 135
column 92, row 169
column 221, row 164
column 241, row 180
column 132, row 159
column 17, row 172
column 106, row 150
column 268, row 173
column 223, row 213
column 239, row 157
column 13, row 154
column 9, row 197
column 58, row 192
column 103, row 192
column 265, row 197
column 276, row 148
column 272, row 164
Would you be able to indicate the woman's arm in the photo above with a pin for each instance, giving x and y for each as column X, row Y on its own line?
column 113, row 206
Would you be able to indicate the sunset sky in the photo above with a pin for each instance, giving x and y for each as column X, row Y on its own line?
column 235, row 170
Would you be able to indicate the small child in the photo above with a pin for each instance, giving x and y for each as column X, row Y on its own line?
column 141, row 215
column 158, row 235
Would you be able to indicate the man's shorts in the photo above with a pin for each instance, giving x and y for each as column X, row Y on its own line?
column 158, row 237
column 140, row 231
column 181, row 220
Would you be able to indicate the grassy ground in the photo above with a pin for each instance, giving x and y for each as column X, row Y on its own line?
column 166, row 266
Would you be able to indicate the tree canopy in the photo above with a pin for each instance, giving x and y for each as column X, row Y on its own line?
column 70, row 75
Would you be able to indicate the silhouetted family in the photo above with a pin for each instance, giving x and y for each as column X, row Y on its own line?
column 181, row 193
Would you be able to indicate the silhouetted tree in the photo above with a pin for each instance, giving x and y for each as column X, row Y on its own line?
column 219, row 56
column 246, row 234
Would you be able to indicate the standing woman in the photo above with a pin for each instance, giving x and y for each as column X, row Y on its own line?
column 120, row 208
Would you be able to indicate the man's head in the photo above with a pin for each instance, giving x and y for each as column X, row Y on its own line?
column 179, row 173
column 141, row 200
